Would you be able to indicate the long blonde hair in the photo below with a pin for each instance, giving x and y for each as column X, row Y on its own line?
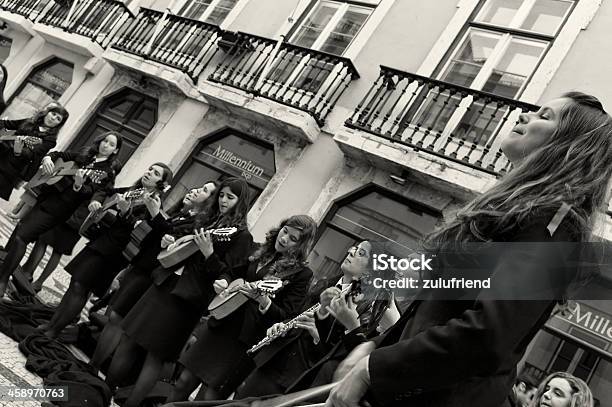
column 581, row 394
column 573, row 166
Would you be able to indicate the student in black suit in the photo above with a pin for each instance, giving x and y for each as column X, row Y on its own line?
column 282, row 256
column 136, row 280
column 309, row 354
column 19, row 159
column 59, row 201
column 94, row 268
column 458, row 353
column 162, row 320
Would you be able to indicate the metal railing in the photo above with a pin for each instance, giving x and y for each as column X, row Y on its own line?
column 30, row 9
column 440, row 118
column 303, row 78
column 182, row 43
column 95, row 19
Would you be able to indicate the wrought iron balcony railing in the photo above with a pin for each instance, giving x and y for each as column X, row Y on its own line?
column 182, row 43
column 30, row 9
column 443, row 119
column 303, row 78
column 95, row 19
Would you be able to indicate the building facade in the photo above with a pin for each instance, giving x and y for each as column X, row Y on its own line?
column 379, row 118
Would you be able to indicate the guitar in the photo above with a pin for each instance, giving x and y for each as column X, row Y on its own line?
column 184, row 247
column 353, row 290
column 140, row 232
column 230, row 299
column 61, row 169
column 106, row 215
column 29, row 141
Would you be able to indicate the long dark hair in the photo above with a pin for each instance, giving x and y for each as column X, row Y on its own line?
column 237, row 215
column 573, row 166
column 38, row 120
column 166, row 179
column 93, row 149
column 204, row 208
column 296, row 256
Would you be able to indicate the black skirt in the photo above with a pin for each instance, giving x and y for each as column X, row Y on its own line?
column 95, row 271
column 160, row 322
column 61, row 238
column 6, row 186
column 134, row 285
column 219, row 357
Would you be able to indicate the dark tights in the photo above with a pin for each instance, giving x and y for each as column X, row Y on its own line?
column 15, row 249
column 109, row 339
column 70, row 307
column 34, row 260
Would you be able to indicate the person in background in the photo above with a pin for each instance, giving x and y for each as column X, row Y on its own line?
column 20, row 159
column 562, row 389
column 522, row 393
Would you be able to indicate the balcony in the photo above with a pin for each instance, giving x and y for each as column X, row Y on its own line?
column 437, row 118
column 302, row 78
column 94, row 19
column 182, row 43
column 29, row 9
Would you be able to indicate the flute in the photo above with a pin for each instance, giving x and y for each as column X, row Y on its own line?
column 353, row 289
column 289, row 325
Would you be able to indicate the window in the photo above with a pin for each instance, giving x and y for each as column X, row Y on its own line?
column 498, row 53
column 210, row 11
column 47, row 82
column 228, row 154
column 5, row 48
column 370, row 213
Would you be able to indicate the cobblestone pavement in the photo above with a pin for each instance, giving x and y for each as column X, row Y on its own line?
column 12, row 361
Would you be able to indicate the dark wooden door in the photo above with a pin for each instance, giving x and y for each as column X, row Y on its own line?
column 130, row 113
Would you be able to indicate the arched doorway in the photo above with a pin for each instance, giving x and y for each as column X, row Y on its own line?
column 131, row 113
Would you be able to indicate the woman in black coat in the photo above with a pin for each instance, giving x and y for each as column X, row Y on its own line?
column 162, row 320
column 59, row 201
column 525, row 231
column 136, row 279
column 218, row 358
column 20, row 159
column 306, row 355
column 94, row 268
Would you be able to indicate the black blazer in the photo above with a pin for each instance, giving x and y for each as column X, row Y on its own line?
column 285, row 304
column 464, row 353
column 195, row 283
column 62, row 200
column 23, row 167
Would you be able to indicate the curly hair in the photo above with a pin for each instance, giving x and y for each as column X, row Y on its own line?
column 296, row 256
column 581, row 394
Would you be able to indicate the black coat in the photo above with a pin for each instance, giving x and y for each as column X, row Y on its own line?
column 14, row 169
column 62, row 200
column 195, row 283
column 460, row 353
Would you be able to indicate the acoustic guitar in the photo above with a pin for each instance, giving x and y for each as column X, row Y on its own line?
column 230, row 299
column 107, row 215
column 140, row 232
column 61, row 169
column 29, row 141
column 184, row 247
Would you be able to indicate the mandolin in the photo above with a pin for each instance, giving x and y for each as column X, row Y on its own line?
column 106, row 215
column 184, row 247
column 61, row 169
column 230, row 299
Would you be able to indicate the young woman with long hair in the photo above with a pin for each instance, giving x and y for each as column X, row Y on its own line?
column 94, row 268
column 56, row 203
column 562, row 389
column 308, row 355
column 457, row 353
column 162, row 320
column 20, row 159
column 283, row 256
column 136, row 279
